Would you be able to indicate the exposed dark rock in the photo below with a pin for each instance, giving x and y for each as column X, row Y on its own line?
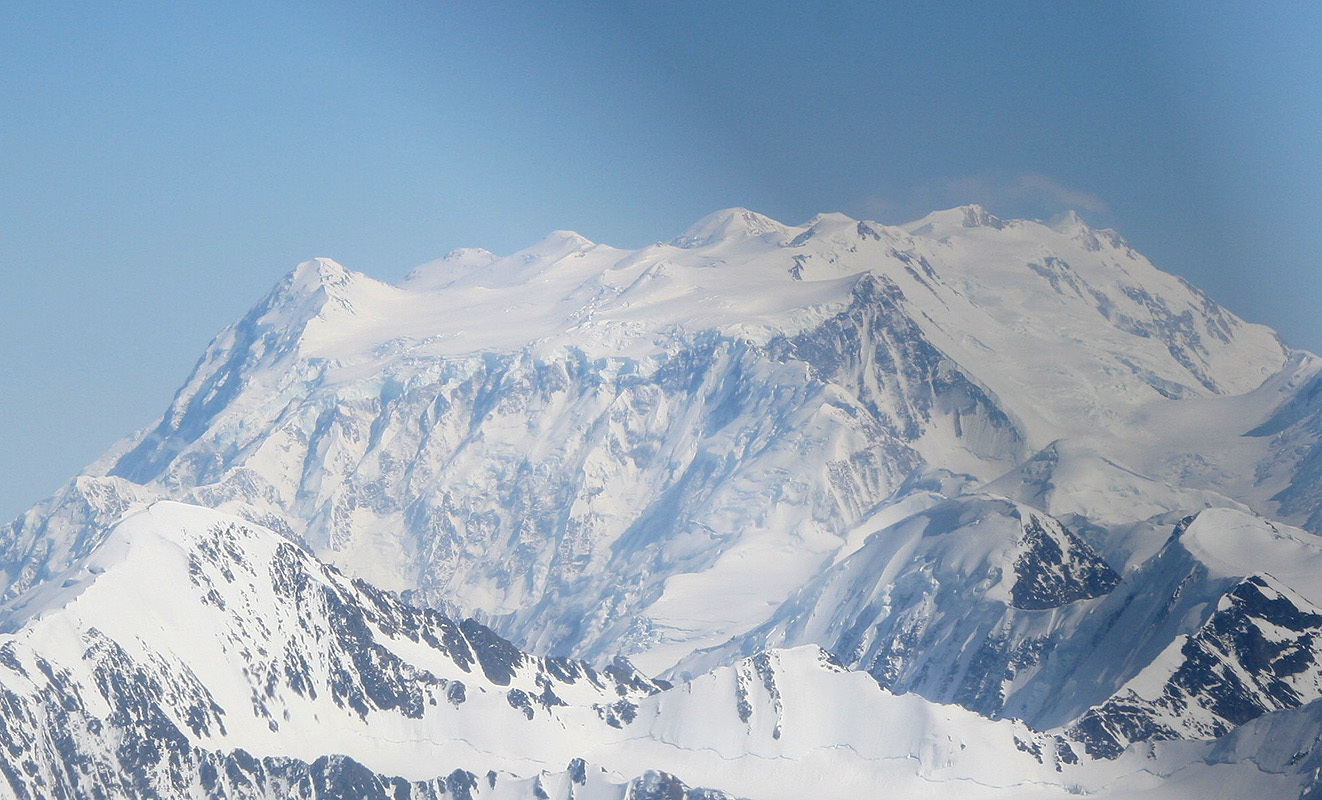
column 1047, row 576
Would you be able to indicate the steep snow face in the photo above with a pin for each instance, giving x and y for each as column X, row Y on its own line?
column 1284, row 742
column 1292, row 435
column 600, row 450
column 1211, row 631
column 194, row 654
column 732, row 224
column 755, row 718
column 1031, row 280
column 244, row 640
column 951, row 453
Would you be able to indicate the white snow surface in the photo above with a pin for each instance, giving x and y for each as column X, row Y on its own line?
column 1234, row 544
column 993, row 287
column 600, row 450
column 192, row 597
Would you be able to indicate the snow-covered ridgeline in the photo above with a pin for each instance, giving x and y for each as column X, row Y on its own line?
column 193, row 653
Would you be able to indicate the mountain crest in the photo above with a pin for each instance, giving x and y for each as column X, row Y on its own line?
column 313, row 288
column 319, row 273
column 729, row 225
column 944, row 223
column 444, row 271
column 763, row 438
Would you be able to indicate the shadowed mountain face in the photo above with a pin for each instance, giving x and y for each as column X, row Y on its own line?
column 951, row 453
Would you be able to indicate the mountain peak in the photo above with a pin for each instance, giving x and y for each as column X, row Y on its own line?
column 788, row 435
column 554, row 246
column 444, row 271
column 568, row 237
column 319, row 273
column 310, row 289
column 831, row 217
column 975, row 216
column 561, row 241
column 1072, row 225
column 467, row 255
column 728, row 224
column 941, row 223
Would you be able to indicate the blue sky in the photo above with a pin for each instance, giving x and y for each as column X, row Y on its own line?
column 164, row 164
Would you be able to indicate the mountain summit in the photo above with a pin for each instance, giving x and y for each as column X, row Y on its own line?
column 1000, row 466
column 730, row 224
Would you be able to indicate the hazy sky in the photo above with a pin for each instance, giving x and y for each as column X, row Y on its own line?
column 164, row 164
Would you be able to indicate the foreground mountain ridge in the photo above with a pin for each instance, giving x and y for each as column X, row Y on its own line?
column 195, row 654
column 999, row 464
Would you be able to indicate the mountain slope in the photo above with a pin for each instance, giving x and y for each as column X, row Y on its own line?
column 194, row 654
column 1001, row 465
column 1255, row 650
column 581, row 444
column 959, row 602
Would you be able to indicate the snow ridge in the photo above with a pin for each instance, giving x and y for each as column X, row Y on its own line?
column 193, row 653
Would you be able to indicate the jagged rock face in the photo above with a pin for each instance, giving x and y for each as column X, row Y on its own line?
column 654, row 785
column 197, row 640
column 192, row 654
column 635, row 470
column 1055, row 568
column 1256, row 654
column 546, row 440
column 182, row 657
column 880, row 356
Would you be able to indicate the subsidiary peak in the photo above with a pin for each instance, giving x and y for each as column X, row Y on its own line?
column 556, row 245
column 943, row 223
column 305, row 290
column 319, row 272
column 445, row 271
column 729, row 224
column 1070, row 222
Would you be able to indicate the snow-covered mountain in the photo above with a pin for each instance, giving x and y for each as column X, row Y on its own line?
column 1057, row 498
column 189, row 644
column 193, row 653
